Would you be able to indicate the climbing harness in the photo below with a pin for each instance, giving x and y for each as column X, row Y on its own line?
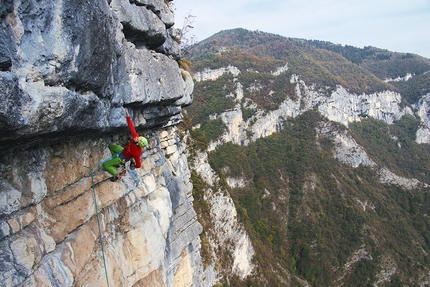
column 97, row 211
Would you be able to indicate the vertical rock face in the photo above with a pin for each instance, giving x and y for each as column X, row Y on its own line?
column 67, row 68
column 73, row 64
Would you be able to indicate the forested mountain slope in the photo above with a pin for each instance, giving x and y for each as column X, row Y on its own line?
column 324, row 151
column 317, row 61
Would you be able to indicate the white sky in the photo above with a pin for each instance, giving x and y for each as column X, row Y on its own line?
column 395, row 25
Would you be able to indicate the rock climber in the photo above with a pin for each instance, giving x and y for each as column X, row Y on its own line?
column 122, row 155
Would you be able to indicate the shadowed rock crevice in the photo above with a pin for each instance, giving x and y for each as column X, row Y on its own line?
column 142, row 39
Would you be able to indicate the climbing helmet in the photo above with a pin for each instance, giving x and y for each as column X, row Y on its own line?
column 142, row 141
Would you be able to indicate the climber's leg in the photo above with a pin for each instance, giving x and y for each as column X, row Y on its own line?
column 115, row 149
column 109, row 165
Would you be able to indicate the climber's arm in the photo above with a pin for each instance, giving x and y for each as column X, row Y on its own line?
column 130, row 125
column 137, row 161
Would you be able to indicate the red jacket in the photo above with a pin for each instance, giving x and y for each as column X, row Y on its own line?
column 131, row 150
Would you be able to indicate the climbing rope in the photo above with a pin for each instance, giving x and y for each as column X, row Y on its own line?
column 97, row 212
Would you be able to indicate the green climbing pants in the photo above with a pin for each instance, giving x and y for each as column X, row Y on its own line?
column 109, row 165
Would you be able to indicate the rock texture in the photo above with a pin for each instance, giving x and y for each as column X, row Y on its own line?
column 76, row 63
column 67, row 69
column 227, row 231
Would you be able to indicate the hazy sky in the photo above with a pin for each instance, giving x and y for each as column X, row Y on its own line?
column 396, row 25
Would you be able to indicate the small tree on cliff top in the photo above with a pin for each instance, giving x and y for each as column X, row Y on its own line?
column 185, row 40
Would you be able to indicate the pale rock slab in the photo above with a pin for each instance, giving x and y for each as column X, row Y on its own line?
column 209, row 74
column 227, row 227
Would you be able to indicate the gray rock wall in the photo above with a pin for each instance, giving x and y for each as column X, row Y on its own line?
column 72, row 65
column 67, row 70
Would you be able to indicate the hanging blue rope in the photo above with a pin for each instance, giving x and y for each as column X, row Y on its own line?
column 97, row 212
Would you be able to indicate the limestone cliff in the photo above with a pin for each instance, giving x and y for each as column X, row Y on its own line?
column 67, row 70
column 341, row 107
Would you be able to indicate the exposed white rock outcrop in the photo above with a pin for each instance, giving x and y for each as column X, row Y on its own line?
column 423, row 135
column 203, row 168
column 280, row 70
column 388, row 269
column 236, row 125
column 399, row 79
column 344, row 108
column 209, row 74
column 358, row 255
column 348, row 151
column 231, row 234
column 422, row 108
column 424, row 280
column 365, row 205
column 341, row 106
column 236, row 182
column 227, row 228
column 387, row 176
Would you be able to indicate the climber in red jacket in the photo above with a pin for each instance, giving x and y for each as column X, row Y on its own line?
column 122, row 155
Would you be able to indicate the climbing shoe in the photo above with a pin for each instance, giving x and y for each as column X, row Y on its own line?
column 114, row 178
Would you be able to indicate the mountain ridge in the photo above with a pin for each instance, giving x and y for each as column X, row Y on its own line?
column 382, row 64
column 326, row 162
